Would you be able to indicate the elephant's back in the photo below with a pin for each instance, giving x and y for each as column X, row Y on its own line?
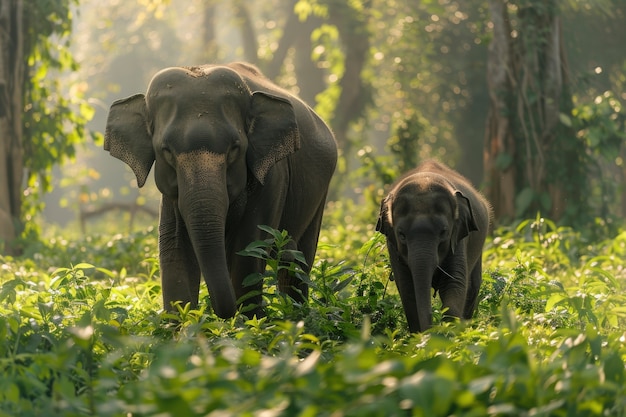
column 461, row 183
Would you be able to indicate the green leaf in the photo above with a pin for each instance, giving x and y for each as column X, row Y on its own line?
column 565, row 119
column 252, row 279
column 84, row 265
column 342, row 284
column 554, row 300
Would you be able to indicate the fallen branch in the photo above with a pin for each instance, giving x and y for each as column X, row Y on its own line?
column 87, row 213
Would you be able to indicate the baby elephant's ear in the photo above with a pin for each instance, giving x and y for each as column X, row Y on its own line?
column 383, row 224
column 465, row 223
column 127, row 137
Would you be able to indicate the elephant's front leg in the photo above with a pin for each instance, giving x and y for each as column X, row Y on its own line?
column 180, row 273
column 452, row 283
column 406, row 288
column 295, row 286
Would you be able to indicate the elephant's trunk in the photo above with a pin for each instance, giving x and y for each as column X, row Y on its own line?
column 207, row 236
column 422, row 263
column 203, row 203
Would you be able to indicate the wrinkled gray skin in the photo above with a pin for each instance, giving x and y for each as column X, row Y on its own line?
column 231, row 151
column 435, row 223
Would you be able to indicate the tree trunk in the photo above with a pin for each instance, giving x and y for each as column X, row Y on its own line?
column 354, row 97
column 310, row 77
column 248, row 35
column 12, row 70
column 292, row 30
column 533, row 162
column 296, row 37
column 500, row 145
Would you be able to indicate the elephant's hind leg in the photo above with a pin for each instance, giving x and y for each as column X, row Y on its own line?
column 288, row 283
column 306, row 243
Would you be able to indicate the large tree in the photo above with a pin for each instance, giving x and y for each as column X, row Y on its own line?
column 11, row 106
column 533, row 159
column 38, row 125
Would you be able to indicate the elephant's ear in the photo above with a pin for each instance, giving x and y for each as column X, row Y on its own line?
column 272, row 133
column 383, row 225
column 465, row 223
column 127, row 137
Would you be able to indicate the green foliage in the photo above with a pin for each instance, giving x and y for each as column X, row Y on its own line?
column 547, row 338
column 279, row 258
column 137, row 251
column 601, row 126
column 428, row 71
column 329, row 56
column 56, row 111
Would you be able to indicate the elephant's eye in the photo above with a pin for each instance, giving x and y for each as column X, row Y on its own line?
column 443, row 233
column 401, row 237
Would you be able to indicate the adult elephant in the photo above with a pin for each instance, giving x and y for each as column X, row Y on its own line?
column 231, row 151
column 435, row 223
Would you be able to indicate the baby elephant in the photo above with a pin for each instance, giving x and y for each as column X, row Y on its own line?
column 435, row 223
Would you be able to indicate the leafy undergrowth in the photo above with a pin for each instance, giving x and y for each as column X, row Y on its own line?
column 90, row 338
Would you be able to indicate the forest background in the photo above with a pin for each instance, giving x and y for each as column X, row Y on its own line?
column 522, row 97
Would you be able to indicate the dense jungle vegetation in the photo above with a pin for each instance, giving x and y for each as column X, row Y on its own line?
column 83, row 333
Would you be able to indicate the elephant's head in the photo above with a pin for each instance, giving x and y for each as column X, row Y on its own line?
column 424, row 219
column 205, row 131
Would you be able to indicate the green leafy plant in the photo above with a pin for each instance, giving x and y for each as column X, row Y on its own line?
column 279, row 258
